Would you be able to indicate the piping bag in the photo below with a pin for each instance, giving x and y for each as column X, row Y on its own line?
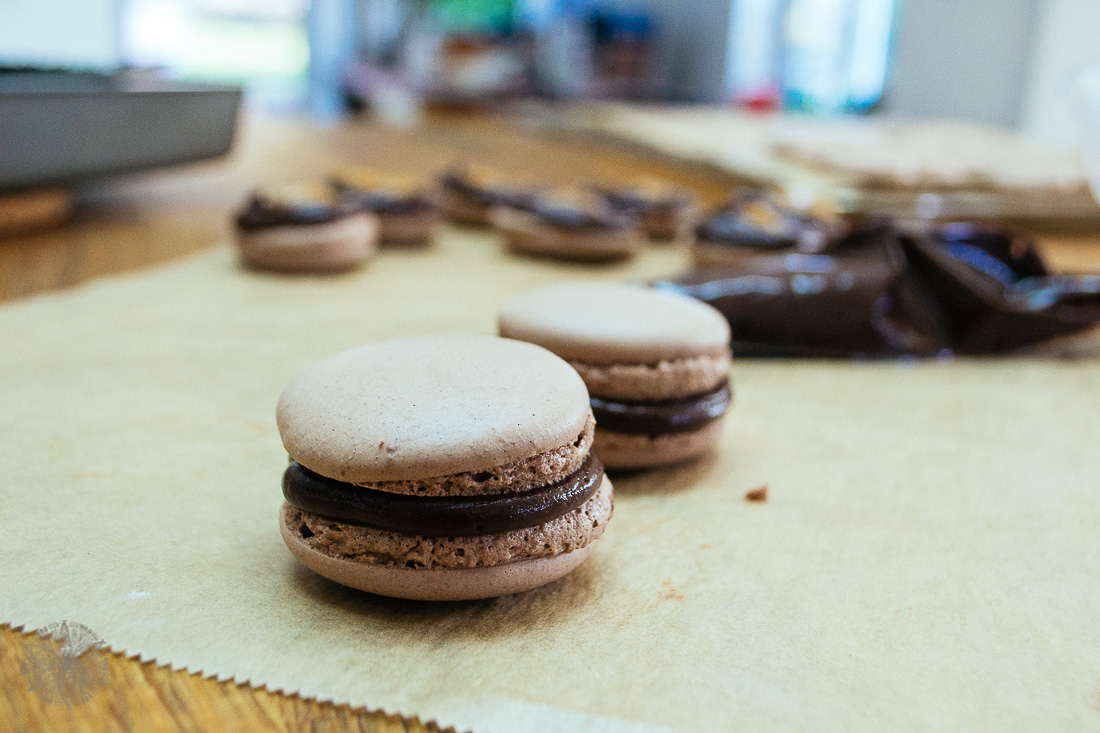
column 878, row 291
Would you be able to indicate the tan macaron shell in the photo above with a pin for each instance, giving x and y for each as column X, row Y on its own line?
column 423, row 407
column 606, row 323
column 437, row 584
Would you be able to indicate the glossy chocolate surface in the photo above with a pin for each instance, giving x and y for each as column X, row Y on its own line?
column 569, row 215
column 637, row 201
column 959, row 288
column 261, row 212
column 758, row 220
column 503, row 194
column 439, row 516
column 666, row 416
column 389, row 202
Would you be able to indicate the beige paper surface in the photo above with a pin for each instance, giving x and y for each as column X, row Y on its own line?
column 929, row 557
column 865, row 164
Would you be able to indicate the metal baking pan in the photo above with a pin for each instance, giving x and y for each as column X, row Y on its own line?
column 64, row 127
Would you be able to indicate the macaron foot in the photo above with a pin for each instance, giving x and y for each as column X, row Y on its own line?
column 625, row 450
column 436, row 584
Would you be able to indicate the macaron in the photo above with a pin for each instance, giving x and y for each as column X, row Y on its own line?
column 656, row 365
column 471, row 193
column 304, row 228
column 441, row 468
column 569, row 225
column 756, row 222
column 666, row 212
column 408, row 211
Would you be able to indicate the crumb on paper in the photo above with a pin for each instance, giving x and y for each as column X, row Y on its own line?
column 669, row 592
column 759, row 494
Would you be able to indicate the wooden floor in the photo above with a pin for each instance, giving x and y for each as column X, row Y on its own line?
column 144, row 697
column 148, row 219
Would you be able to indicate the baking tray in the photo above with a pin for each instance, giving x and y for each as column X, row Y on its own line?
column 63, row 127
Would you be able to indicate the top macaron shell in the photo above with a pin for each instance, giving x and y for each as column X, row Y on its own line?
column 606, row 323
column 424, row 407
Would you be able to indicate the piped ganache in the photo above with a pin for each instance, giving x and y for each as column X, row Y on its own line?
column 662, row 417
column 436, row 516
column 407, row 211
column 756, row 221
column 580, row 214
column 666, row 212
column 301, row 205
column 469, row 194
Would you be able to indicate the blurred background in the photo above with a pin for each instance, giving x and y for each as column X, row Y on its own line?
column 1004, row 62
column 932, row 110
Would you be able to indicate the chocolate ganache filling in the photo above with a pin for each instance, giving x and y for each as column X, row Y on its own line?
column 439, row 516
column 262, row 214
column 680, row 415
column 500, row 193
column 578, row 218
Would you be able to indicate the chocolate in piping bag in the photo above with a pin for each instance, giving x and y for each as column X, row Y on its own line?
column 960, row 288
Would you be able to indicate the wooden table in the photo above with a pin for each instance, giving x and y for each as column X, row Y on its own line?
column 148, row 219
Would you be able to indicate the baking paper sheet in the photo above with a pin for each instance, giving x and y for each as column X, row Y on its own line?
column 928, row 558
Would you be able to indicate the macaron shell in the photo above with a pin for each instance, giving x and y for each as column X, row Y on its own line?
column 409, row 229
column 331, row 247
column 525, row 234
column 444, row 584
column 423, row 407
column 607, row 323
column 626, row 451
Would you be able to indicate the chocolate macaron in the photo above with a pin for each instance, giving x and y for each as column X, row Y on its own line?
column 755, row 222
column 471, row 193
column 569, row 225
column 408, row 211
column 656, row 365
column 441, row 468
column 667, row 213
column 304, row 228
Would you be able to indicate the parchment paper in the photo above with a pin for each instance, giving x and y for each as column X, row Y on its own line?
column 862, row 165
column 929, row 556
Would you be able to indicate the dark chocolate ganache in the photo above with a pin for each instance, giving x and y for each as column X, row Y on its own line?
column 297, row 208
column 389, row 202
column 640, row 200
column 581, row 216
column 487, row 193
column 439, row 516
column 680, row 415
column 759, row 220
column 956, row 288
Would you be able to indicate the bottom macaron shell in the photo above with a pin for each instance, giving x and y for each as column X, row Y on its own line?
column 524, row 234
column 408, row 230
column 625, row 450
column 466, row 211
column 436, row 584
column 675, row 225
column 331, row 247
